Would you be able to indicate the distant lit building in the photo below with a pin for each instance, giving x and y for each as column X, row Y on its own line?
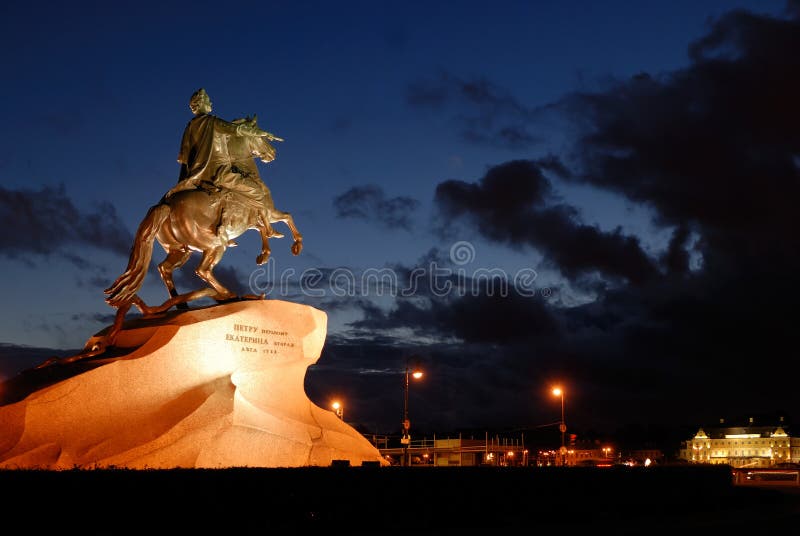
column 457, row 452
column 508, row 450
column 743, row 446
column 580, row 453
column 642, row 456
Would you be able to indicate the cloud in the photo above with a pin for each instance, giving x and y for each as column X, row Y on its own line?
column 484, row 112
column 45, row 221
column 513, row 204
column 713, row 146
column 370, row 203
column 676, row 258
column 472, row 318
column 712, row 149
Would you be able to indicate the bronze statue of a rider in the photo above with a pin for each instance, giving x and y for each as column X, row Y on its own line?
column 218, row 197
column 209, row 161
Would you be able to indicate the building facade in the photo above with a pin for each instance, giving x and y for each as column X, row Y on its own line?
column 743, row 446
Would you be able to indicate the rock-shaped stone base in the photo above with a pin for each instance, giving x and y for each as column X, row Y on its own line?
column 216, row 387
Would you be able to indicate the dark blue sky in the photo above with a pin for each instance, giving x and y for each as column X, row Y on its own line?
column 541, row 134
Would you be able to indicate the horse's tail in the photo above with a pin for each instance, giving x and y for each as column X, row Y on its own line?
column 126, row 286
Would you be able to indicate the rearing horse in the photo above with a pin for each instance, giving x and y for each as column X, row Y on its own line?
column 192, row 220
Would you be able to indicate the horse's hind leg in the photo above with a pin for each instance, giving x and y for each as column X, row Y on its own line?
column 205, row 272
column 176, row 258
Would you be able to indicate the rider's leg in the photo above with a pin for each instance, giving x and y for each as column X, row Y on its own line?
column 226, row 220
column 279, row 215
column 264, row 218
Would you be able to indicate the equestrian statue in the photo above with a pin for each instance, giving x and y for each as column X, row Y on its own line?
column 219, row 196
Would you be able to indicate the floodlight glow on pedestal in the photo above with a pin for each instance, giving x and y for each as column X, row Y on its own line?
column 338, row 409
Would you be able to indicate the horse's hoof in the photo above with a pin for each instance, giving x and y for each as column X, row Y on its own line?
column 261, row 259
column 297, row 247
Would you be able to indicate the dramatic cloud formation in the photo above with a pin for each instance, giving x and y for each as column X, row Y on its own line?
column 370, row 203
column 44, row 221
column 713, row 150
column 713, row 146
column 510, row 205
column 487, row 113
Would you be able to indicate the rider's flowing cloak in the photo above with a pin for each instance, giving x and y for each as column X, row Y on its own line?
column 204, row 147
column 207, row 158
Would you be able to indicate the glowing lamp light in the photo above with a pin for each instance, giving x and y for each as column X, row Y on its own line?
column 558, row 391
column 405, row 439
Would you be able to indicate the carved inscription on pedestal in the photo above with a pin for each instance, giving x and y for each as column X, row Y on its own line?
column 255, row 339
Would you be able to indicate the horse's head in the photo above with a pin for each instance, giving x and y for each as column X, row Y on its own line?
column 258, row 145
column 251, row 122
column 261, row 148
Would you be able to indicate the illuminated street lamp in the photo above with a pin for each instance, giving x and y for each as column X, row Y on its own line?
column 558, row 391
column 339, row 409
column 405, row 439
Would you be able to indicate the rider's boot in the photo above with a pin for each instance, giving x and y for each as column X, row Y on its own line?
column 271, row 232
column 224, row 224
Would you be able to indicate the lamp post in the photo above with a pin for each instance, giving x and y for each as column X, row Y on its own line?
column 405, row 439
column 558, row 391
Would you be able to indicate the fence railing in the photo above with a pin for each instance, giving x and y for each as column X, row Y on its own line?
column 766, row 477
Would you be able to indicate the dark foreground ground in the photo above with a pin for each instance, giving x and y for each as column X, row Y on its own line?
column 393, row 500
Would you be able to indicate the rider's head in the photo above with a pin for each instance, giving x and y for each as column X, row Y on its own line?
column 200, row 103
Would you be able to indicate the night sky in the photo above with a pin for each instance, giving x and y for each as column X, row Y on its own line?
column 597, row 194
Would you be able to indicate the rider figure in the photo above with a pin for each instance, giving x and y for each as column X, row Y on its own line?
column 206, row 162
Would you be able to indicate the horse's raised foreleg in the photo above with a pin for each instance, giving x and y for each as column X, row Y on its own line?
column 285, row 217
column 176, row 258
column 205, row 269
